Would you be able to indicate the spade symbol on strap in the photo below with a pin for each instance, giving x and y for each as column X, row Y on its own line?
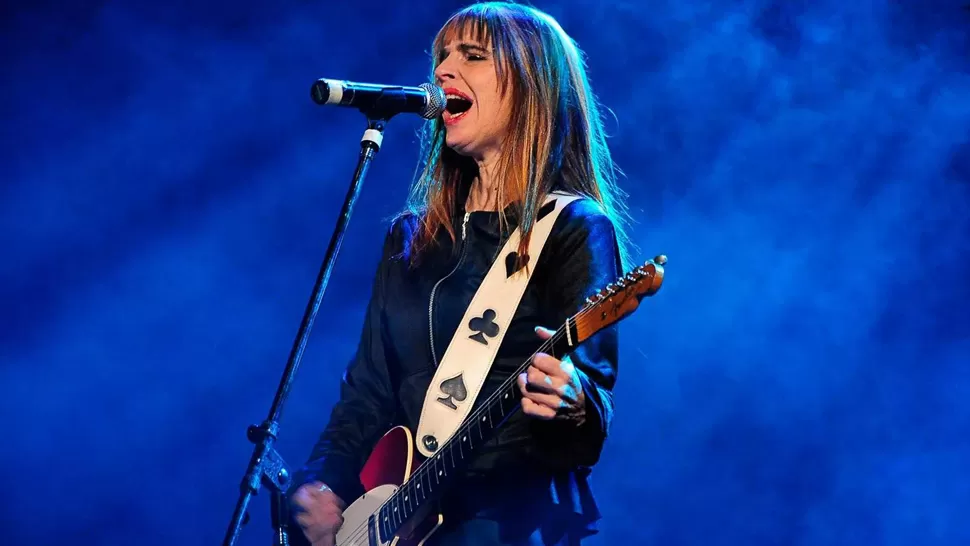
column 454, row 388
column 483, row 326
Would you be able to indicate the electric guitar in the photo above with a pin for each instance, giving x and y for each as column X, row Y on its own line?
column 398, row 508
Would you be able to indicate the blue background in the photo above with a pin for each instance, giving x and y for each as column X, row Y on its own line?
column 168, row 192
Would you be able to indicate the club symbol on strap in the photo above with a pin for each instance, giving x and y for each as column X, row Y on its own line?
column 483, row 326
column 454, row 389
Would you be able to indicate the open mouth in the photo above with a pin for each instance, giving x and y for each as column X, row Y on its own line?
column 456, row 106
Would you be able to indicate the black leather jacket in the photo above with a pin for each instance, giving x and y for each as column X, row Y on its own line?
column 539, row 466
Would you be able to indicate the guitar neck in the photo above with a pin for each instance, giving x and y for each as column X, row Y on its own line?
column 434, row 475
column 608, row 306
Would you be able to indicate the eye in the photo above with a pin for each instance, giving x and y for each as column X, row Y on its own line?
column 475, row 57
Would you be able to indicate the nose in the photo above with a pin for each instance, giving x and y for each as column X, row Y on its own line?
column 444, row 71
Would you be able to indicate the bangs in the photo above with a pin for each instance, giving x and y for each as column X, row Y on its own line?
column 481, row 24
column 505, row 30
column 464, row 26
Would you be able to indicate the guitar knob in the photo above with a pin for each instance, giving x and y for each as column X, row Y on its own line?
column 660, row 260
column 430, row 443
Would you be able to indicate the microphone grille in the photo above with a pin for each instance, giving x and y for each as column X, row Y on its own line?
column 436, row 101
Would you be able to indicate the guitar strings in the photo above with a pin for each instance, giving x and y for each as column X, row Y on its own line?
column 475, row 414
column 424, row 469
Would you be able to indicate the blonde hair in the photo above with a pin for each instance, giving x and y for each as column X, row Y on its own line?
column 558, row 140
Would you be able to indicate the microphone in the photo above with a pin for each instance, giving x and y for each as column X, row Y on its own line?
column 426, row 100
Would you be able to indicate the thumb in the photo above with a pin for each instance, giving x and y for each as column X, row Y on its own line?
column 544, row 333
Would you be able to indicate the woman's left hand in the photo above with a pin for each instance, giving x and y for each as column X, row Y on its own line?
column 551, row 388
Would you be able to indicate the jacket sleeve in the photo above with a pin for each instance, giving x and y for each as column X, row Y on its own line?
column 584, row 259
column 365, row 407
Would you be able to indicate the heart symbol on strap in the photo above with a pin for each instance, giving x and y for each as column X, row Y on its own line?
column 510, row 260
column 546, row 209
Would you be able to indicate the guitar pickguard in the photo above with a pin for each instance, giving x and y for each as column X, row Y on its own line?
column 354, row 531
column 389, row 466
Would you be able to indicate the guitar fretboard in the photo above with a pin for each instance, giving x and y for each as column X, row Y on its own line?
column 434, row 474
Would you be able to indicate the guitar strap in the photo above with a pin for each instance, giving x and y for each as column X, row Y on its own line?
column 470, row 354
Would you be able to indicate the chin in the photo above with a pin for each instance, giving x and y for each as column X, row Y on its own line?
column 457, row 146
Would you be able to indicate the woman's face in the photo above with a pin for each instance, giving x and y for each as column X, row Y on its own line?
column 477, row 118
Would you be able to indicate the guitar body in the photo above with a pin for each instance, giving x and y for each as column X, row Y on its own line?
column 389, row 465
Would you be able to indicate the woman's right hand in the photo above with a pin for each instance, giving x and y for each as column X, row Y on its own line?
column 322, row 513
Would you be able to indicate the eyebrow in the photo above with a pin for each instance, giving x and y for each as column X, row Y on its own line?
column 464, row 47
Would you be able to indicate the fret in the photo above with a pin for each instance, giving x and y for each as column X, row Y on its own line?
column 492, row 417
column 395, row 515
column 391, row 525
column 509, row 400
column 439, row 473
column 569, row 338
column 395, row 504
column 386, row 518
column 478, row 428
column 561, row 346
column 425, row 476
column 408, row 501
column 385, row 524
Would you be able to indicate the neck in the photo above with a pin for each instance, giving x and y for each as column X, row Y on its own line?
column 483, row 194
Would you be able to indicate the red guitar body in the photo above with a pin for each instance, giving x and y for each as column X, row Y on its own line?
column 392, row 461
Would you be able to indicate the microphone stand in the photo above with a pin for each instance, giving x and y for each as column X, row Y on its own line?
column 266, row 466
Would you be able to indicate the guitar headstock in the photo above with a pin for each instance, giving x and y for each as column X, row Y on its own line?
column 620, row 298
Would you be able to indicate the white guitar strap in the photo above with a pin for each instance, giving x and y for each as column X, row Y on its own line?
column 469, row 355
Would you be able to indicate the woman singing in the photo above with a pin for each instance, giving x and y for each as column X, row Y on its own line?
column 521, row 122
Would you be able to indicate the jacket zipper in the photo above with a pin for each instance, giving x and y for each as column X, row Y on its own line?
column 434, row 289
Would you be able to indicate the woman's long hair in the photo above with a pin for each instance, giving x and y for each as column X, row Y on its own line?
column 557, row 141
